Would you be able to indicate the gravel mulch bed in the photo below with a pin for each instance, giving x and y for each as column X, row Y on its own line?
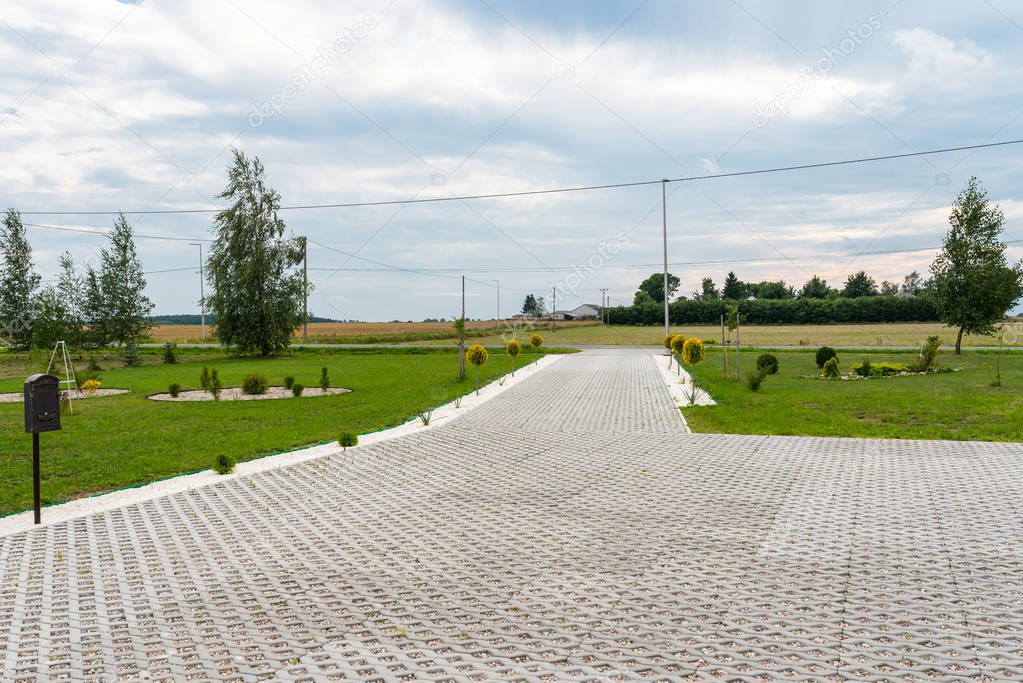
column 237, row 394
column 18, row 397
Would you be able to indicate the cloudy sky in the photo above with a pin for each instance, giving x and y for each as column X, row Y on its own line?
column 107, row 105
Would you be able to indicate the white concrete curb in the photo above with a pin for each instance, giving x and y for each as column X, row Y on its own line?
column 53, row 514
column 680, row 385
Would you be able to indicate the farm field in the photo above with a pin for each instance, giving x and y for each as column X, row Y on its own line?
column 860, row 334
column 126, row 440
column 958, row 405
column 359, row 333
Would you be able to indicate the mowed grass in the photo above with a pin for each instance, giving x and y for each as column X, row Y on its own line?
column 859, row 335
column 956, row 405
column 126, row 440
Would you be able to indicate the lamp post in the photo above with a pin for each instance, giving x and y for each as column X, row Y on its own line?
column 498, row 299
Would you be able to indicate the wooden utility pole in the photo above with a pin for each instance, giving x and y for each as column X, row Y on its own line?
column 737, row 344
column 554, row 307
column 305, row 290
column 461, row 338
column 724, row 349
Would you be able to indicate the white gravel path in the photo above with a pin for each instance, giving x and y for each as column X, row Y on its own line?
column 236, row 394
column 18, row 397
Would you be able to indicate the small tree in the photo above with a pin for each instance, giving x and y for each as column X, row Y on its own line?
column 514, row 348
column 536, row 341
column 324, row 380
column 347, row 440
column 477, row 355
column 169, row 355
column 204, row 379
column 973, row 285
column 71, row 287
column 678, row 343
column 859, row 284
column 693, row 353
column 666, row 343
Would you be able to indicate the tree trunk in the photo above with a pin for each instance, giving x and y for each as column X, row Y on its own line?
column 959, row 342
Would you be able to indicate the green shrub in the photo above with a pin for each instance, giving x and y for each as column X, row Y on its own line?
column 174, row 390
column 224, row 464
column 324, row 379
column 830, row 369
column 927, row 360
column 824, row 354
column 169, row 355
column 130, row 355
column 768, row 363
column 215, row 385
column 94, row 364
column 866, row 368
column 255, row 384
column 288, row 381
column 347, row 440
column 204, row 379
column 297, row 389
column 755, row 379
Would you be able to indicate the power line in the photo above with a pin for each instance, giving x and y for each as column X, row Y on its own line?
column 107, row 233
column 580, row 188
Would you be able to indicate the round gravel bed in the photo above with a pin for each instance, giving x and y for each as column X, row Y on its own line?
column 18, row 397
column 238, row 395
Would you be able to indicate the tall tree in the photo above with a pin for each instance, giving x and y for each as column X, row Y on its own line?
column 654, row 286
column 18, row 283
column 771, row 290
column 123, row 287
column 71, row 287
column 733, row 288
column 912, row 284
column 529, row 306
column 256, row 290
column 859, row 284
column 973, row 285
column 888, row 288
column 815, row 288
column 708, row 291
column 94, row 310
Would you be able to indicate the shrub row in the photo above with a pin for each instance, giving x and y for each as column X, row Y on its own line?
column 868, row 309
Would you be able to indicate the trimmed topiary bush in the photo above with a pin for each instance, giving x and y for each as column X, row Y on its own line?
column 536, row 341
column 767, row 362
column 255, row 384
column 346, row 440
column 224, row 464
column 824, row 354
column 297, row 389
column 477, row 355
column 830, row 369
column 174, row 390
column 514, row 348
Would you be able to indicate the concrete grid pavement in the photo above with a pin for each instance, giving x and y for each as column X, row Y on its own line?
column 566, row 530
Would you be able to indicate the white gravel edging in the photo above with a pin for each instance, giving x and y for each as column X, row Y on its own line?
column 680, row 386
column 19, row 396
column 236, row 394
column 22, row 521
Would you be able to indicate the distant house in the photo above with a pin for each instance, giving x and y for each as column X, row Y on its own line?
column 562, row 315
column 586, row 312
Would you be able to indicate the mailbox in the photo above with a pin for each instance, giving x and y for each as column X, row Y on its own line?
column 42, row 404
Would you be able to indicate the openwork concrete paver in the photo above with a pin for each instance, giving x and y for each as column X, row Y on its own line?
column 566, row 530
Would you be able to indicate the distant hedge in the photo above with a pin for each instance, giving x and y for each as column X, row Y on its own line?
column 868, row 309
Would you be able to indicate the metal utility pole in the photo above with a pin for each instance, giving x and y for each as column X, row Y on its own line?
column 202, row 293
column 603, row 304
column 305, row 289
column 664, row 230
column 461, row 338
column 724, row 349
column 498, row 299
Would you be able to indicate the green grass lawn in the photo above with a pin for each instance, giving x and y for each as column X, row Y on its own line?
column 956, row 405
column 126, row 440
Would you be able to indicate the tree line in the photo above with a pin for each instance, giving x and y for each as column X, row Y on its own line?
column 256, row 290
column 970, row 288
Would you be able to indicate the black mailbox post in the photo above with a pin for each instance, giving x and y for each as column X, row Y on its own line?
column 42, row 414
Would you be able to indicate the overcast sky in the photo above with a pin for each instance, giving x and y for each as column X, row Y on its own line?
column 107, row 105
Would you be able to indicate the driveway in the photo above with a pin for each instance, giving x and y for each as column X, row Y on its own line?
column 568, row 529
